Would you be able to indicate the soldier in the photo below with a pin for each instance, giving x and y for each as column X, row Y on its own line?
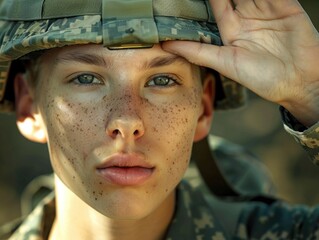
column 120, row 108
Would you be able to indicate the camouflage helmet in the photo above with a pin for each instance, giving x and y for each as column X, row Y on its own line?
column 32, row 25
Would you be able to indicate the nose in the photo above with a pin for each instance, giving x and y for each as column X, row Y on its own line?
column 126, row 127
column 125, row 120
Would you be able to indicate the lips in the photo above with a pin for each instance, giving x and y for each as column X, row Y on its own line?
column 125, row 170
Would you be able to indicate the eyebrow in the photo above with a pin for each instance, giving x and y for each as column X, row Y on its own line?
column 164, row 61
column 86, row 58
column 95, row 59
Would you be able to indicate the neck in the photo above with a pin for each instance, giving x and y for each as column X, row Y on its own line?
column 77, row 220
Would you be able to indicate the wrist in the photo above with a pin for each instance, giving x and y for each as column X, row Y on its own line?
column 306, row 113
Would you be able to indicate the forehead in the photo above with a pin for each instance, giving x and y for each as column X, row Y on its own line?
column 98, row 55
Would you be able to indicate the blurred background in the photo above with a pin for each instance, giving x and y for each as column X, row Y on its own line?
column 257, row 126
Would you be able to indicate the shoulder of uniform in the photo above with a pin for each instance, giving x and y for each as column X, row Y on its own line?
column 9, row 228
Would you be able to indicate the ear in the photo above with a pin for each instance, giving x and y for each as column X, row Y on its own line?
column 28, row 121
column 205, row 119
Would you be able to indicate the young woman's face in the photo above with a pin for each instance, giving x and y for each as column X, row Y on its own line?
column 120, row 124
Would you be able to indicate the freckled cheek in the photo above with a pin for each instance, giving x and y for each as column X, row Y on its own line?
column 177, row 117
column 173, row 126
column 73, row 128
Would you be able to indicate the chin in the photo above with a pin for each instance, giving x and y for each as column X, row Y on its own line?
column 127, row 212
column 121, row 207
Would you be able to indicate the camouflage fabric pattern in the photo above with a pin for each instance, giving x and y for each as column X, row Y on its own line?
column 277, row 221
column 18, row 38
column 38, row 224
column 196, row 218
column 193, row 219
column 308, row 138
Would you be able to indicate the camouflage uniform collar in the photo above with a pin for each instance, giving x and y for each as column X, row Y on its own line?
column 38, row 224
column 194, row 218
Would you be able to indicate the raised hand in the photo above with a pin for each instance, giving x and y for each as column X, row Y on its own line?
column 270, row 46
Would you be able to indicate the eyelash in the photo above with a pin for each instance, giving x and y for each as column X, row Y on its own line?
column 76, row 81
column 169, row 78
column 171, row 81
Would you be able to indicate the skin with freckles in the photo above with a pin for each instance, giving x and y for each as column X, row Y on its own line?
column 93, row 103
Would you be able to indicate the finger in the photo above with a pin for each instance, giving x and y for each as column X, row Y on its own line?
column 210, row 56
column 221, row 8
column 227, row 20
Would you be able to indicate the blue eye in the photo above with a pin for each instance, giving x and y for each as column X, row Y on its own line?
column 161, row 81
column 86, row 79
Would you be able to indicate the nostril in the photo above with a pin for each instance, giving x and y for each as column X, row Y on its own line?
column 116, row 132
column 125, row 131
